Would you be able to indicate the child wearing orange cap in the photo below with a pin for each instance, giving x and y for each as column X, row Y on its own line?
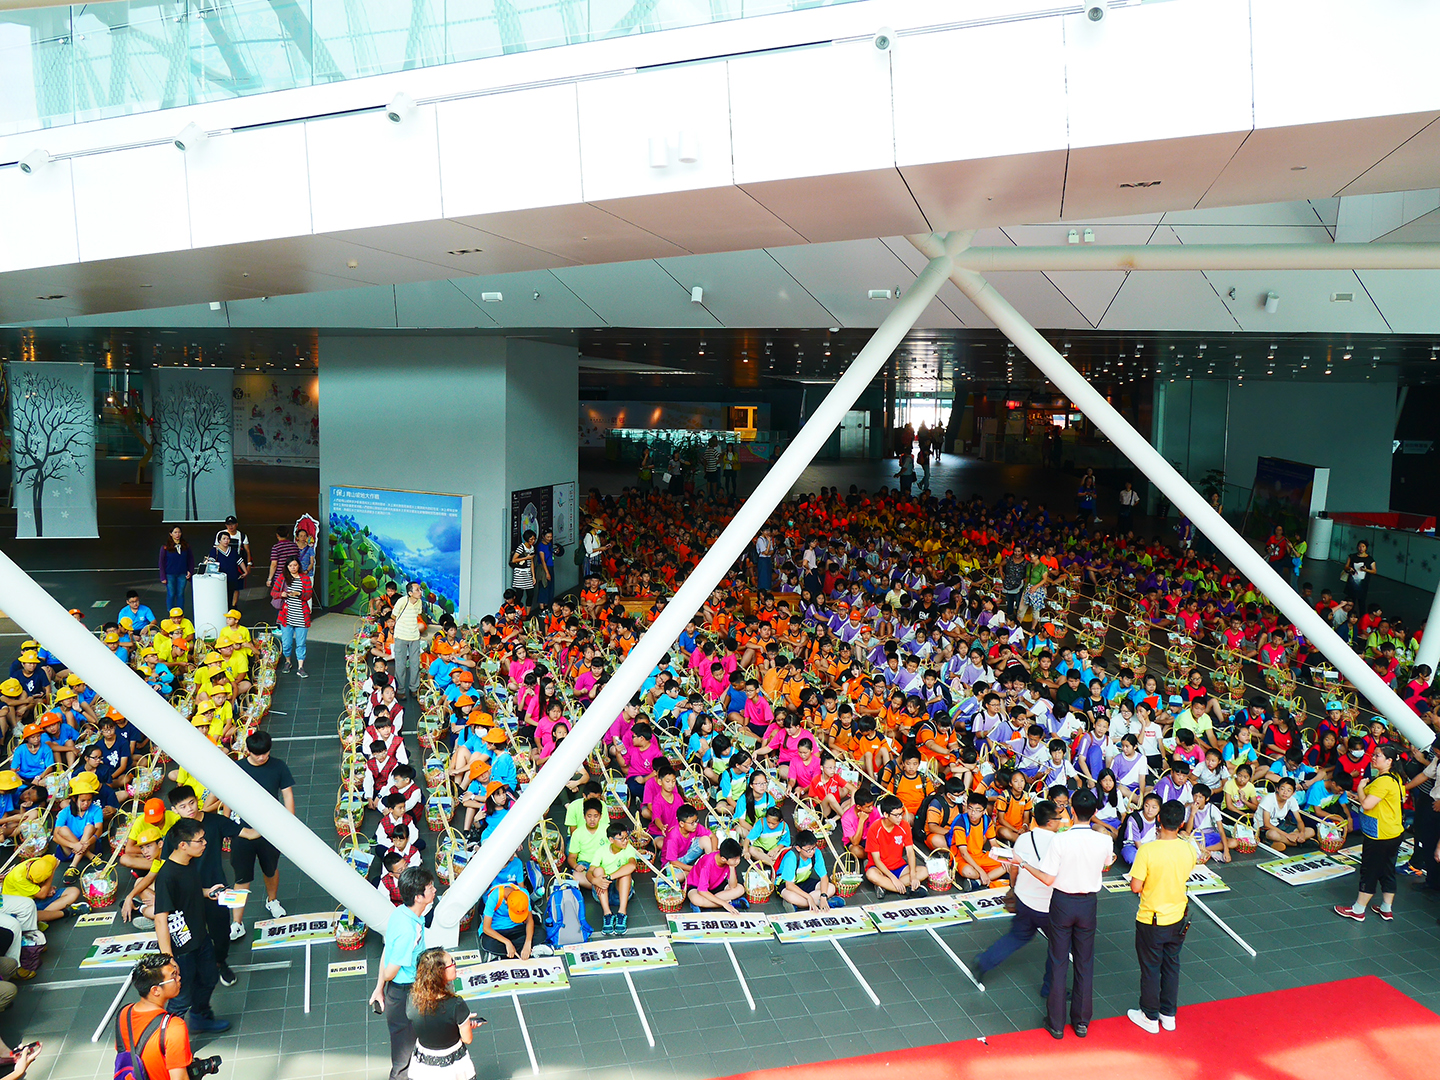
column 32, row 759
column 508, row 925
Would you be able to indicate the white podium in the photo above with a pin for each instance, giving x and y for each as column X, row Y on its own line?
column 211, row 602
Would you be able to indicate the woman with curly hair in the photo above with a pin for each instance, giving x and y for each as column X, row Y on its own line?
column 444, row 1024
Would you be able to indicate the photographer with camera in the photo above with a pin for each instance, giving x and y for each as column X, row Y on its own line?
column 150, row 1042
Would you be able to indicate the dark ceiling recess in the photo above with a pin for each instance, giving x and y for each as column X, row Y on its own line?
column 926, row 361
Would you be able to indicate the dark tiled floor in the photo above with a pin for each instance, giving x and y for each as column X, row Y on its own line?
column 808, row 1005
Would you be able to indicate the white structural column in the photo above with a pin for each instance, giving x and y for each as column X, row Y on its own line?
column 1185, row 499
column 1429, row 651
column 731, row 545
column 1203, row 257
column 47, row 621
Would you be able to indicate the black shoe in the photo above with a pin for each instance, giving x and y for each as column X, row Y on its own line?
column 1055, row 1034
column 227, row 974
column 302, row 673
column 921, row 892
column 286, row 669
column 1081, row 1030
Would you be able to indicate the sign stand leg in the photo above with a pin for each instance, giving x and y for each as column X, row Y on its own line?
column 525, row 1031
column 958, row 962
column 740, row 975
column 640, row 1009
column 116, row 1004
column 1223, row 925
column 854, row 971
column 307, row 976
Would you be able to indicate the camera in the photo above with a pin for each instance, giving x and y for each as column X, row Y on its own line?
column 884, row 39
column 203, row 1067
column 1095, row 10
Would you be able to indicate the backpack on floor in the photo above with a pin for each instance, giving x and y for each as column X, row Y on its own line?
column 565, row 915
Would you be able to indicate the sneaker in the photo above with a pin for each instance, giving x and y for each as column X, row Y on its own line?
column 622, row 923
column 302, row 673
column 46, row 925
column 24, row 973
column 276, row 911
column 1167, row 1022
column 80, row 907
column 206, row 1024
column 1348, row 913
column 920, row 892
column 286, row 669
column 1387, row 916
column 140, row 922
column 1413, row 871
column 740, row 904
column 541, row 951
column 237, row 931
column 71, row 873
column 227, row 973
column 609, row 925
column 1140, row 1020
column 837, row 901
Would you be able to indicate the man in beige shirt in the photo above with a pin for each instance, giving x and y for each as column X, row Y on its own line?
column 408, row 647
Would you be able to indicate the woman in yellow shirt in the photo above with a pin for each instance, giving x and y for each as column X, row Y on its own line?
column 1381, row 824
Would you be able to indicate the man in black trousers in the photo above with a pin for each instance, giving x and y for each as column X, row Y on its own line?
column 1072, row 866
column 1159, row 873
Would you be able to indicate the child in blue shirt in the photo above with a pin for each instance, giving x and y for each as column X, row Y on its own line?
column 767, row 836
column 78, row 825
column 32, row 760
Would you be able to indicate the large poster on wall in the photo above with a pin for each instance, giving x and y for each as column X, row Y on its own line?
column 599, row 417
column 194, row 448
column 52, row 449
column 1282, row 495
column 531, row 510
column 277, row 419
column 377, row 535
column 562, row 514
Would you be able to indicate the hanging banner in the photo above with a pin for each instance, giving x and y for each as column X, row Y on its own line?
column 277, row 419
column 512, row 977
column 813, row 925
column 194, row 449
column 52, row 449
column 1305, row 869
column 377, row 536
column 710, row 926
column 599, row 958
column 916, row 914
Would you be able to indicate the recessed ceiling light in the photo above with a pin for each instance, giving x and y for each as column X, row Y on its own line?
column 51, row 296
column 465, row 251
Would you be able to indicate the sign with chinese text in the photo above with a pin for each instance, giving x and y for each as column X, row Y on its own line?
column 719, row 926
column 343, row 968
column 810, row 925
column 295, row 930
column 916, row 914
column 513, row 977
column 604, row 957
column 120, row 951
column 1306, row 869
column 989, row 904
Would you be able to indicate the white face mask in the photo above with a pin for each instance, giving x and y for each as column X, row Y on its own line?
column 1357, row 754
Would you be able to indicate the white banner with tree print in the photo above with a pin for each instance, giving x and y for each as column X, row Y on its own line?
column 52, row 449
column 194, row 449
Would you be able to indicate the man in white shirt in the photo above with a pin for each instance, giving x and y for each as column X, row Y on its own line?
column 1072, row 867
column 1032, row 897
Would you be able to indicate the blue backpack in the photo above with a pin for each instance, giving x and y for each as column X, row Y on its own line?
column 565, row 915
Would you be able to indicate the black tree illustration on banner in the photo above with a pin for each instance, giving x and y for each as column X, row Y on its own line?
column 52, row 435
column 195, row 422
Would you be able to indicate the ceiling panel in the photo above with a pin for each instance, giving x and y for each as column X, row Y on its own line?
column 350, row 308
column 825, row 208
column 364, row 170
column 579, row 231
column 989, row 191
column 635, row 294
column 439, row 304
column 1168, row 300
column 1253, row 234
column 1090, row 291
column 715, row 219
column 749, row 288
column 1414, row 164
column 840, row 275
column 1305, row 303
column 950, row 296
column 131, row 202
column 1284, row 164
column 229, row 206
column 37, row 218
column 1057, row 235
column 432, row 242
column 1301, row 212
column 1406, row 297
column 1032, row 294
column 555, row 305
column 1184, row 168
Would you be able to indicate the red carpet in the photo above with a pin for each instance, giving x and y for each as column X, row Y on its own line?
column 1358, row 1028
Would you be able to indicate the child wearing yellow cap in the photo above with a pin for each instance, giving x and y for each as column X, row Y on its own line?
column 33, row 879
column 78, row 824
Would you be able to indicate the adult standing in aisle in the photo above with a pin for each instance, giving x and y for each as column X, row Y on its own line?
column 180, row 897
column 283, row 550
column 1129, row 499
column 274, row 776
column 238, row 540
column 404, row 942
column 1159, row 873
column 1425, row 789
column 1382, row 826
column 408, row 611
column 1032, row 897
column 764, row 560
column 1072, row 867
